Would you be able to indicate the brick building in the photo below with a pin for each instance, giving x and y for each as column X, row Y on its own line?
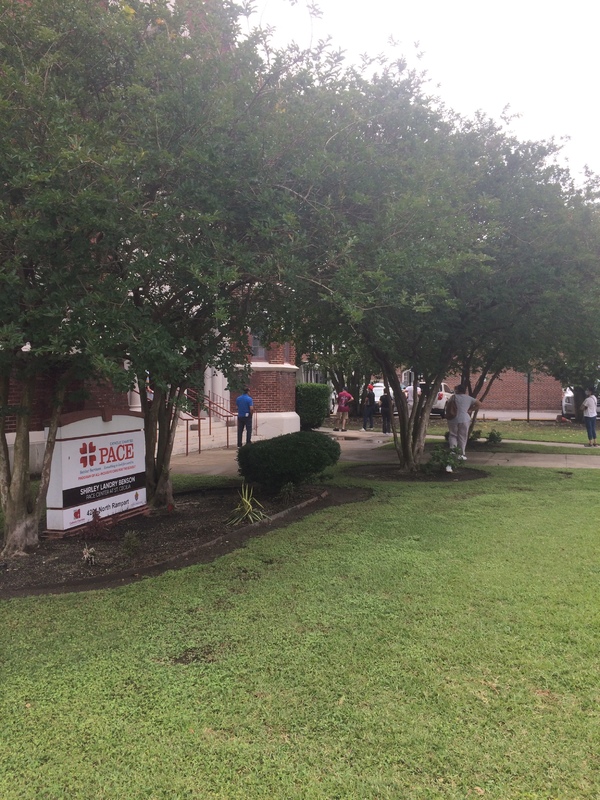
column 273, row 389
column 509, row 392
column 272, row 386
column 88, row 397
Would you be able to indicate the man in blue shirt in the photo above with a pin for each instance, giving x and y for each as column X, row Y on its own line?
column 245, row 408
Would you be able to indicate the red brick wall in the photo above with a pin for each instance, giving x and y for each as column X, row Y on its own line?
column 273, row 390
column 103, row 395
column 41, row 407
column 509, row 392
column 94, row 397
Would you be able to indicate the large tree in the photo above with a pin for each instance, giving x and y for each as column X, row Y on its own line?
column 135, row 224
column 442, row 244
column 61, row 177
column 200, row 259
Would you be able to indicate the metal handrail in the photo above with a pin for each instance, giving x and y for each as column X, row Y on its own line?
column 213, row 408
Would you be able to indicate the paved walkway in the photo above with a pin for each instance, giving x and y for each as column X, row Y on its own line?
column 357, row 446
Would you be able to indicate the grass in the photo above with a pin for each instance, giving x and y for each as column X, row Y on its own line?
column 535, row 431
column 438, row 641
column 506, row 446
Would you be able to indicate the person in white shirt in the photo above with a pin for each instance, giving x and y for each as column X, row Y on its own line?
column 409, row 392
column 590, row 412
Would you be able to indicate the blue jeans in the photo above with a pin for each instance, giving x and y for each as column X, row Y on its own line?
column 590, row 425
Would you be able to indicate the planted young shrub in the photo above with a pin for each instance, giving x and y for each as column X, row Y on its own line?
column 494, row 437
column 312, row 404
column 441, row 457
column 292, row 458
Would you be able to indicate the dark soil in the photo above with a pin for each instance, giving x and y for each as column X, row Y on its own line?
column 392, row 472
column 194, row 532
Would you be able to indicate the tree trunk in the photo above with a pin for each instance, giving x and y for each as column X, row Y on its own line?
column 21, row 529
column 23, row 511
column 411, row 430
column 161, row 417
column 578, row 398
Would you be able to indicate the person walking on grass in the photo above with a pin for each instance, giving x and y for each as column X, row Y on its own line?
column 245, row 409
column 590, row 412
column 458, row 426
column 343, row 409
column 368, row 408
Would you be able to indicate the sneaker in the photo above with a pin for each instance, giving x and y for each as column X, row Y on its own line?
column 462, row 458
column 587, row 445
column 336, row 429
column 363, row 430
column 448, row 468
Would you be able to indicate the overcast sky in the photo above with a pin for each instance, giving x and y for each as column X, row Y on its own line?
column 538, row 57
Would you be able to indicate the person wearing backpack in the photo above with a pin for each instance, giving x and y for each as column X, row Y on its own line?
column 458, row 413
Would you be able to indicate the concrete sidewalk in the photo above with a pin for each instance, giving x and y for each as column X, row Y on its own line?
column 361, row 447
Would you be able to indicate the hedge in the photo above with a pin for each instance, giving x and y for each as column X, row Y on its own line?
column 312, row 404
column 292, row 458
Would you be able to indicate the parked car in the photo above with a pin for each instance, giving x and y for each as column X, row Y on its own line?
column 568, row 402
column 444, row 394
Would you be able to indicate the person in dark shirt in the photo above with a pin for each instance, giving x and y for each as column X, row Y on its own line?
column 385, row 406
column 368, row 409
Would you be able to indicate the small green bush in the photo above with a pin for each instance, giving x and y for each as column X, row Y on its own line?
column 292, row 458
column 312, row 404
column 494, row 437
column 131, row 544
column 442, row 457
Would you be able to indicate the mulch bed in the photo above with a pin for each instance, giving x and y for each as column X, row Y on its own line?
column 194, row 532
column 392, row 472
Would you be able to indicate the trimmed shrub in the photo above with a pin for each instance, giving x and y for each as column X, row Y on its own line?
column 292, row 458
column 312, row 404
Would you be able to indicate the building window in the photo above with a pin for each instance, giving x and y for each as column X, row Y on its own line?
column 259, row 353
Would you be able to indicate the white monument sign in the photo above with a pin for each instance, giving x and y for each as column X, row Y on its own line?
column 98, row 465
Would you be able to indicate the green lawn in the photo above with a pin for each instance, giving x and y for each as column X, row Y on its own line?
column 508, row 446
column 536, row 431
column 437, row 641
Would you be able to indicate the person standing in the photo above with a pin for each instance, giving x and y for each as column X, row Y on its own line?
column 590, row 412
column 410, row 396
column 458, row 427
column 385, row 406
column 368, row 408
column 245, row 409
column 343, row 409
